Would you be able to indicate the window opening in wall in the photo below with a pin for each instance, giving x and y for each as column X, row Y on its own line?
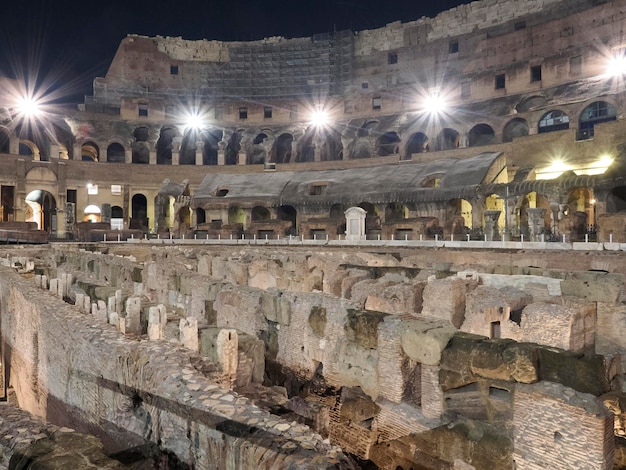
column 377, row 102
column 365, row 85
column 575, row 65
column 392, row 58
column 174, row 69
column 243, row 113
column 221, row 192
column 317, row 189
column 520, row 25
column 535, row 73
column 116, row 189
column 453, row 47
column 143, row 109
column 500, row 81
column 466, row 88
column 495, row 330
column 267, row 112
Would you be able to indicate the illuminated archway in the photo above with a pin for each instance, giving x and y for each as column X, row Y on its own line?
column 41, row 209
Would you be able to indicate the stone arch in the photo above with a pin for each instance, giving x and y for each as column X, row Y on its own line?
column 481, row 134
column 596, row 113
column 139, row 212
column 531, row 200
column 282, row 148
column 494, row 202
column 388, row 144
column 30, row 148
column 116, row 153
column 165, row 145
column 89, row 152
column 361, row 145
column 260, row 214
column 395, row 211
column 188, row 147
column 372, row 219
column 515, row 128
column 448, row 139
column 233, row 147
column 459, row 211
column 258, row 154
column 554, row 120
column 141, row 146
column 41, row 208
column 616, row 200
column 236, row 215
column 417, row 143
column 288, row 214
column 211, row 138
column 529, row 103
column 34, row 141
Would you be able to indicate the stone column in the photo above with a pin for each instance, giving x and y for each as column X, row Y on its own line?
column 189, row 333
column 536, row 222
column 241, row 158
column 491, row 225
column 152, row 159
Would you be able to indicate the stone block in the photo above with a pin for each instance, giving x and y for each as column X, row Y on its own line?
column 189, row 333
column 424, row 340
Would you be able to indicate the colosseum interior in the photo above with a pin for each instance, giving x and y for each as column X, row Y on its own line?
column 406, row 251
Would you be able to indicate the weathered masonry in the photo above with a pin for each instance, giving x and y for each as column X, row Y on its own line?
column 249, row 357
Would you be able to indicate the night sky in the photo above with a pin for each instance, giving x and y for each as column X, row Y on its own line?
column 72, row 42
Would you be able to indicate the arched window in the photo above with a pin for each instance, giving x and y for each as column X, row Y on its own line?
column 116, row 153
column 555, row 120
column 595, row 113
column 515, row 128
column 481, row 134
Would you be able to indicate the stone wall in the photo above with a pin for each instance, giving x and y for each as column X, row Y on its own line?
column 143, row 391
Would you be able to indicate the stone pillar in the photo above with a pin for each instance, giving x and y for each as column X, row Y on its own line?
column 129, row 156
column 99, row 310
column 132, row 320
column 175, row 157
column 491, row 225
column 189, row 333
column 221, row 157
column 157, row 319
column 536, row 222
column 153, row 157
column 241, row 158
column 432, row 396
column 227, row 345
column 78, row 152
column 199, row 152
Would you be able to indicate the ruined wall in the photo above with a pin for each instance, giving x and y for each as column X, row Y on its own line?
column 142, row 391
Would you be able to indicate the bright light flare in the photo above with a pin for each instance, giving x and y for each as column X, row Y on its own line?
column 194, row 121
column 28, row 106
column 320, row 118
column 616, row 65
column 434, row 104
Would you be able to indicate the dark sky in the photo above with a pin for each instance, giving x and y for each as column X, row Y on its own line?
column 72, row 42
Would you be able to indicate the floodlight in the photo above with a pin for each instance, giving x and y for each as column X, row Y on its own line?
column 319, row 118
column 28, row 106
column 616, row 66
column 434, row 103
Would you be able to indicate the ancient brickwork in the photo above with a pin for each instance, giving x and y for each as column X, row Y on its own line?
column 579, row 434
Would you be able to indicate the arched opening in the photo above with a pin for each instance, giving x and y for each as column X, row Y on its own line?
column 480, row 134
column 532, row 200
column 372, row 220
column 361, row 146
column 116, row 153
column 35, row 142
column 395, row 212
column 495, row 203
column 448, row 139
column 259, row 152
column 288, row 214
column 117, row 218
column 616, row 200
column 210, row 149
column 282, row 148
column 595, row 113
column 233, row 148
column 236, row 215
column 432, row 181
column 581, row 213
column 164, row 146
column 555, row 120
column 139, row 212
column 41, row 209
column 459, row 213
column 388, row 144
column 188, row 147
column 530, row 103
column 92, row 213
column 200, row 216
column 141, row 147
column 306, row 146
column 4, row 140
column 418, row 143
column 183, row 220
column 28, row 148
column 515, row 128
column 337, row 214
column 260, row 214
column 90, row 152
